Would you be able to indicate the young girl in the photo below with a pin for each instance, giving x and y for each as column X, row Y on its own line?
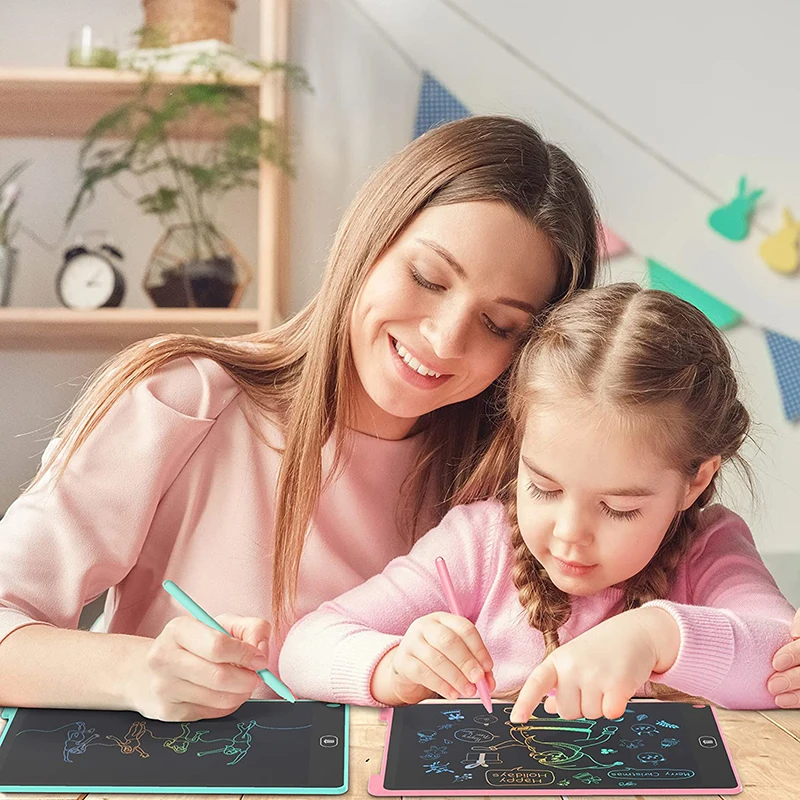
column 269, row 473
column 601, row 565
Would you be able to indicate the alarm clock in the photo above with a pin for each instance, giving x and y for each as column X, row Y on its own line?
column 89, row 278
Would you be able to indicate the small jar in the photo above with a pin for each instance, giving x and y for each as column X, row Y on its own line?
column 87, row 50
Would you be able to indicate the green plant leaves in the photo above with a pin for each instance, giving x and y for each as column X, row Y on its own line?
column 163, row 201
column 185, row 177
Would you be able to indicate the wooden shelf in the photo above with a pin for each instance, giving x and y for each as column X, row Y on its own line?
column 66, row 102
column 112, row 328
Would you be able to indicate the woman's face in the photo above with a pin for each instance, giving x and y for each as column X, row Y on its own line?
column 442, row 311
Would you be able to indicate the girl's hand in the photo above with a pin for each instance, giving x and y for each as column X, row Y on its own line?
column 785, row 683
column 192, row 672
column 596, row 673
column 440, row 654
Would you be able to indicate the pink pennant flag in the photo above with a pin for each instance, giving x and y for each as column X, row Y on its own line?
column 613, row 245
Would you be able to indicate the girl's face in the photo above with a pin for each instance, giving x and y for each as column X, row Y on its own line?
column 441, row 312
column 594, row 500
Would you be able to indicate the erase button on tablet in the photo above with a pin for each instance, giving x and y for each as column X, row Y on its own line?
column 707, row 741
column 329, row 741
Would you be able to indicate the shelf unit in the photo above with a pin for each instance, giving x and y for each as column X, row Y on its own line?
column 113, row 328
column 64, row 103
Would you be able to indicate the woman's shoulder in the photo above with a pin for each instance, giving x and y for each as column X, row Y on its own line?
column 194, row 386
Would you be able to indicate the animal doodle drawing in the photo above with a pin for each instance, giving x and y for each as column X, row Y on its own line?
column 77, row 739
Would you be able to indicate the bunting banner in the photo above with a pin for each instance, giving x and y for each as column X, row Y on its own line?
column 612, row 244
column 721, row 314
column 438, row 105
column 785, row 353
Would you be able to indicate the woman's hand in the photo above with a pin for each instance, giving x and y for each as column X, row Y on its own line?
column 192, row 672
column 785, row 682
column 440, row 654
column 597, row 672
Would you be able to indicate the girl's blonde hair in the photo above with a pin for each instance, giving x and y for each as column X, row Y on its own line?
column 659, row 365
column 303, row 369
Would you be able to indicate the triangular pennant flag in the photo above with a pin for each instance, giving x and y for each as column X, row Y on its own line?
column 785, row 354
column 613, row 245
column 722, row 315
column 436, row 106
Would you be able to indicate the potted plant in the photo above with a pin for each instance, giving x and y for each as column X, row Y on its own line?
column 194, row 264
column 9, row 197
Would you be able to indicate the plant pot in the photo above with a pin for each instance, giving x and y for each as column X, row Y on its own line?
column 178, row 21
column 210, row 283
column 8, row 265
column 196, row 268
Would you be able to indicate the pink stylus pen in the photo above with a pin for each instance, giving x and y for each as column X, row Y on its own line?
column 449, row 593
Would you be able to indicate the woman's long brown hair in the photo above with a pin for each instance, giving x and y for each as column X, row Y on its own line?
column 303, row 371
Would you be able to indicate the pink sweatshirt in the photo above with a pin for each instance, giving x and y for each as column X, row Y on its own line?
column 174, row 484
column 731, row 615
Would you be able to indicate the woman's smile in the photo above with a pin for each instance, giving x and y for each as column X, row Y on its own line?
column 414, row 371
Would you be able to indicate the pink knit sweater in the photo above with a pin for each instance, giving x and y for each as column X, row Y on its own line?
column 731, row 615
column 175, row 484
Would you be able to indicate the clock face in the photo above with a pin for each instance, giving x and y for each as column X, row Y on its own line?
column 87, row 281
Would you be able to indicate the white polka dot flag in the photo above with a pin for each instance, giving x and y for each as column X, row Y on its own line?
column 436, row 106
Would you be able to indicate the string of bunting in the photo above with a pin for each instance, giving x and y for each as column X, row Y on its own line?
column 438, row 105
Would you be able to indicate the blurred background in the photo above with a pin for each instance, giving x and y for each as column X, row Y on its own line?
column 666, row 107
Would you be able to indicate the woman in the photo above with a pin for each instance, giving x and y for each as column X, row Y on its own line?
column 269, row 473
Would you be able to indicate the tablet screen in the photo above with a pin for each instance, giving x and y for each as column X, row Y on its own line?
column 264, row 745
column 460, row 749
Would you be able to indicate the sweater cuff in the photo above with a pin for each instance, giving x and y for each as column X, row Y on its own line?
column 354, row 664
column 706, row 651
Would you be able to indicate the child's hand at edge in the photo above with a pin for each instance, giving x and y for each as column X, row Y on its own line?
column 440, row 654
column 597, row 672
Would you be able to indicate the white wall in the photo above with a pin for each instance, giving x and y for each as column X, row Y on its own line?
column 361, row 112
column 664, row 107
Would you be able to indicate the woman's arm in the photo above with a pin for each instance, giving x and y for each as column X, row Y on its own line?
column 66, row 540
column 57, row 668
column 46, row 667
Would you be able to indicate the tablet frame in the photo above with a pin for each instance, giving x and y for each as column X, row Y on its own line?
column 376, row 782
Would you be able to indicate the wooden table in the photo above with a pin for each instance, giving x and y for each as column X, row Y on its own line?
column 765, row 747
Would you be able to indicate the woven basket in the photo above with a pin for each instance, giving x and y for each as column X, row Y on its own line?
column 190, row 20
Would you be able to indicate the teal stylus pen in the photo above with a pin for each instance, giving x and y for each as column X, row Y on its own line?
column 274, row 683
